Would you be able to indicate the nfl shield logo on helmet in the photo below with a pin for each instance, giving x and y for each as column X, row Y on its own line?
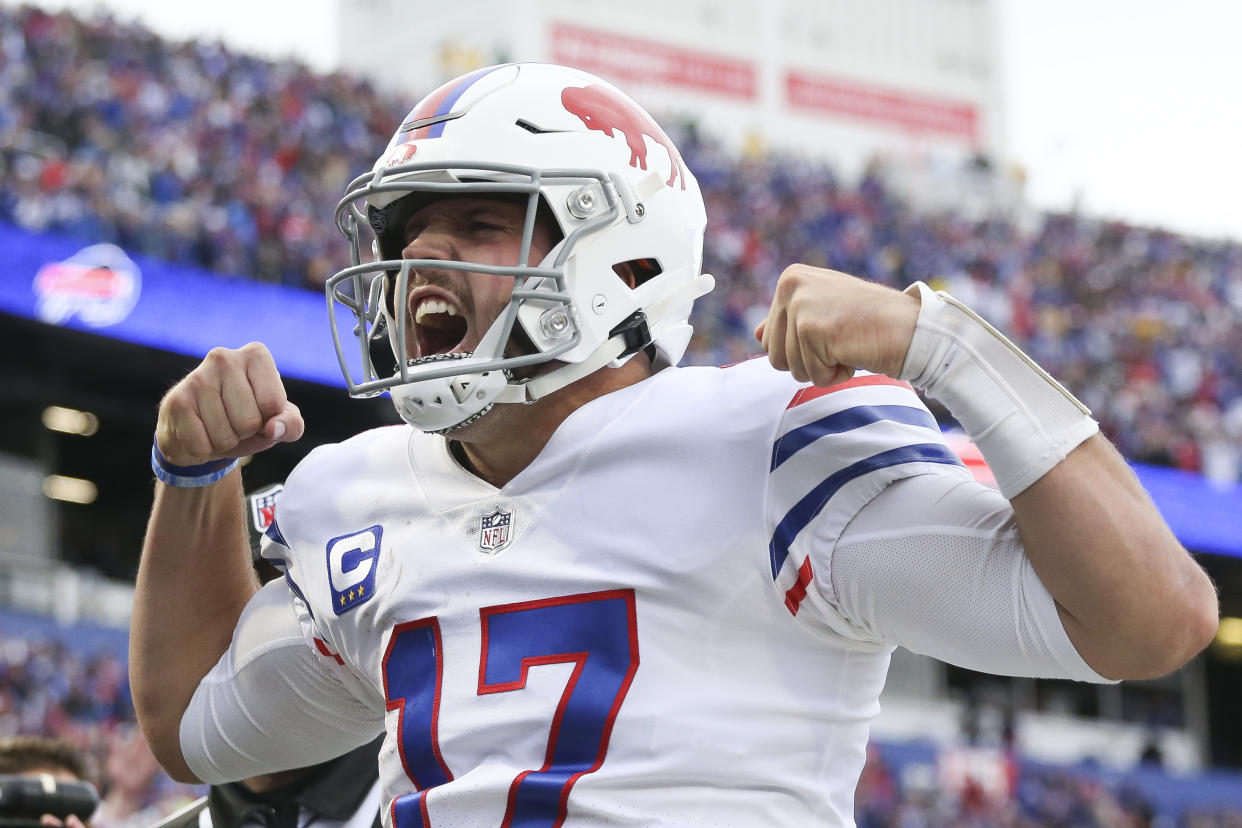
column 494, row 530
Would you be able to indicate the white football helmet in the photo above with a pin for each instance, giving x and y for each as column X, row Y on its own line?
column 569, row 144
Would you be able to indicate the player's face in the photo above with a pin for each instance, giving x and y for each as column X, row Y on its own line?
column 450, row 310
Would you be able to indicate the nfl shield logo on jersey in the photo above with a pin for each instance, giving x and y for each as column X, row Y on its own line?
column 494, row 531
column 263, row 507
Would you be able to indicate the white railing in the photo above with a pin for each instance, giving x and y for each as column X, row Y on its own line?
column 63, row 593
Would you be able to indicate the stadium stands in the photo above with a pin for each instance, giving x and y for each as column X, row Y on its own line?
column 71, row 683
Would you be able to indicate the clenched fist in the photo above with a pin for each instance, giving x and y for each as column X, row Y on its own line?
column 233, row 404
column 824, row 324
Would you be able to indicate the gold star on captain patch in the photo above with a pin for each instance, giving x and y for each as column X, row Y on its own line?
column 351, row 595
column 359, row 590
column 342, row 600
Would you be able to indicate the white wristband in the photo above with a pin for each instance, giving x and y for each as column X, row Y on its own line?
column 1023, row 420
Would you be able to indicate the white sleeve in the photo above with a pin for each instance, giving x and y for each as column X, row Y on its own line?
column 936, row 565
column 271, row 702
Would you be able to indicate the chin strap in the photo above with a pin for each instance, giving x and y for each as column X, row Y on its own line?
column 544, row 385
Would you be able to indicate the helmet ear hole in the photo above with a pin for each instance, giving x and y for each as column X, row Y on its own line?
column 637, row 272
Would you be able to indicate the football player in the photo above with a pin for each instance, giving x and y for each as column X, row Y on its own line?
column 580, row 585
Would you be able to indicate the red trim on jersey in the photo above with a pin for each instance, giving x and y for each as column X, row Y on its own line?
column 422, row 808
column 797, row 592
column 578, row 659
column 812, row 392
column 324, row 651
column 743, row 361
column 611, row 719
column 399, row 704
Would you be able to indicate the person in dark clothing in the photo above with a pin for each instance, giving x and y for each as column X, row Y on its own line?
column 340, row 793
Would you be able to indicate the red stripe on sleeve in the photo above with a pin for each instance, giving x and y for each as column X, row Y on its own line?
column 797, row 592
column 812, row 392
column 323, row 650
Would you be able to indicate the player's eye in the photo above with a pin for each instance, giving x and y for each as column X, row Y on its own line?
column 487, row 225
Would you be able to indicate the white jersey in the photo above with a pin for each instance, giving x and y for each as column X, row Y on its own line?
column 644, row 627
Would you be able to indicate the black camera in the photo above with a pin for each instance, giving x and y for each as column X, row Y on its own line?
column 23, row 799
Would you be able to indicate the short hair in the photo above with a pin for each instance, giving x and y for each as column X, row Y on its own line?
column 24, row 754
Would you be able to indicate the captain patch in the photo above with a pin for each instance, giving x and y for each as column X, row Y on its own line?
column 352, row 562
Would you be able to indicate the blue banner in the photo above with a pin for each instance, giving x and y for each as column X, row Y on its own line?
column 1206, row 516
column 98, row 288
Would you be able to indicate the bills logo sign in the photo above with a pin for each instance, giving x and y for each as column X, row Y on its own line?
column 352, row 562
column 98, row 284
column 609, row 112
column 263, row 507
column 494, row 531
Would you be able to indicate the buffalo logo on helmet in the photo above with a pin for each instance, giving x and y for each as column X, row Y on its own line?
column 400, row 154
column 605, row 111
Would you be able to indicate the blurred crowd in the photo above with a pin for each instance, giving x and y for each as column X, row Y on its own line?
column 1143, row 325
column 1000, row 792
column 197, row 154
column 188, row 152
column 49, row 688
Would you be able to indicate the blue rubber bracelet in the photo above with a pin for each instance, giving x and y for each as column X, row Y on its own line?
column 189, row 477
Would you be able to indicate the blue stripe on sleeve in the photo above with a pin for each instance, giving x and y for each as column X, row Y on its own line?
column 799, row 438
column 809, row 507
column 298, row 592
column 273, row 533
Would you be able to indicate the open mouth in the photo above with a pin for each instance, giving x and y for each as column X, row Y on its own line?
column 439, row 326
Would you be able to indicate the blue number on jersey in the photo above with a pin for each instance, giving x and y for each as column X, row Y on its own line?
column 412, row 686
column 597, row 632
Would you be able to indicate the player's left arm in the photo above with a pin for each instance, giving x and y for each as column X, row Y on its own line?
column 1131, row 599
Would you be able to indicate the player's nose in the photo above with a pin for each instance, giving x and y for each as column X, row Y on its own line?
column 431, row 242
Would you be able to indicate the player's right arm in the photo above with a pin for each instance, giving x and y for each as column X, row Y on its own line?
column 271, row 702
column 195, row 575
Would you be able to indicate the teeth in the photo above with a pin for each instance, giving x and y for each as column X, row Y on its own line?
column 429, row 305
